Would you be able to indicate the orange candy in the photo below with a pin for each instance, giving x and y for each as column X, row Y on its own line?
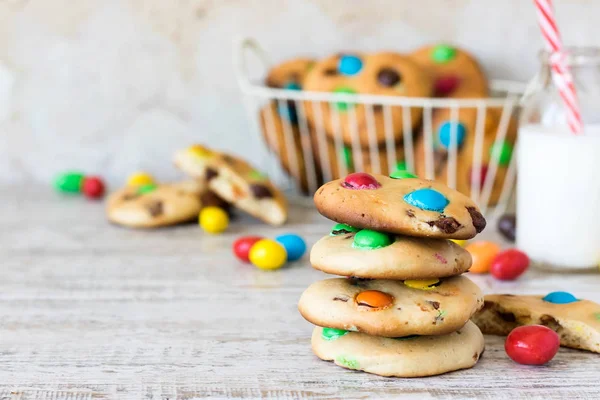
column 374, row 299
column 483, row 253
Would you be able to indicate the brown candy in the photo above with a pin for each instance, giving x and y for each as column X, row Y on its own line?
column 507, row 226
column 388, row 77
column 374, row 299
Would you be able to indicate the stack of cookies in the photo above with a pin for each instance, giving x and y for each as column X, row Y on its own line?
column 402, row 308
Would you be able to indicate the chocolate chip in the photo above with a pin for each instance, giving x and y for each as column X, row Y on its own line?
column 445, row 224
column 330, row 72
column 341, row 298
column 155, row 208
column 507, row 225
column 388, row 77
column 478, row 220
column 260, row 191
column 434, row 304
column 210, row 174
column 410, row 213
column 506, row 316
column 550, row 322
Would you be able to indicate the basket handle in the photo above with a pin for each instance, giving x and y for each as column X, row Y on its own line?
column 241, row 49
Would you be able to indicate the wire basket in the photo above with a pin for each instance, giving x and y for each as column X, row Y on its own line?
column 300, row 156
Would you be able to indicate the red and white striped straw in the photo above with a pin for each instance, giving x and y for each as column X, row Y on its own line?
column 558, row 62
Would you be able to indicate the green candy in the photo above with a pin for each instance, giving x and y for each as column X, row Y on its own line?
column 347, row 362
column 69, row 182
column 146, row 188
column 401, row 165
column 502, row 152
column 443, row 53
column 340, row 105
column 402, row 174
column 332, row 333
column 371, row 240
column 342, row 229
column 407, row 337
column 257, row 175
column 347, row 157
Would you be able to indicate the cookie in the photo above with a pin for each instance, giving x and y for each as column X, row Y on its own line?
column 376, row 255
column 576, row 322
column 392, row 308
column 385, row 73
column 408, row 357
column 455, row 72
column 235, row 181
column 412, row 207
column 462, row 134
column 152, row 206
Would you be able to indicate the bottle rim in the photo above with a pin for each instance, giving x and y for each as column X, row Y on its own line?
column 575, row 55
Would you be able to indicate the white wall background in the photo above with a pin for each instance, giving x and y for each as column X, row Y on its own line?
column 112, row 86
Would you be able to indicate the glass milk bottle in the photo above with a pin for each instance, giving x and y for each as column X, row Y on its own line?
column 558, row 185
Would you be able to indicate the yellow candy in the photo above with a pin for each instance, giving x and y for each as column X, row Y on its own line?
column 199, row 151
column 140, row 179
column 459, row 242
column 267, row 254
column 213, row 219
column 423, row 284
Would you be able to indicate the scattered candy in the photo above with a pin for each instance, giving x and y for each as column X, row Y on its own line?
column 143, row 189
column 460, row 242
column 427, row 199
column 93, row 187
column 367, row 239
column 350, row 65
column 532, row 344
column 447, row 129
column 342, row 229
column 507, row 226
column 509, row 265
column 388, row 77
column 374, row 299
column 360, row 180
column 560, row 298
column 69, row 182
column 422, row 284
column 241, row 247
column 402, row 174
column 267, row 254
column 342, row 105
column 140, row 179
column 442, row 53
column 483, row 253
column 332, row 333
column 446, row 85
column 294, row 245
column 502, row 152
column 213, row 219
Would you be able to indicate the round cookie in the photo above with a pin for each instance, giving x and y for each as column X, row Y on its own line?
column 389, row 74
column 412, row 207
column 409, row 357
column 343, row 253
column 152, row 206
column 455, row 72
column 392, row 308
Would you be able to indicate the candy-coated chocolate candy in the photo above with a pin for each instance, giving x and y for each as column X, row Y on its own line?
column 427, row 199
column 143, row 189
column 294, row 245
column 447, row 129
column 347, row 157
column 267, row 254
column 401, row 166
column 342, row 105
column 374, row 299
column 388, row 77
column 241, row 247
column 483, row 170
column 422, row 284
column 507, row 226
column 332, row 333
column 350, row 65
column 200, row 151
column 69, row 182
column 532, row 344
column 213, row 219
column 560, row 298
column 360, row 180
column 367, row 239
column 342, row 229
column 442, row 53
column 502, row 152
column 459, row 242
column 140, row 179
column 509, row 265
column 446, row 84
column 292, row 86
column 93, row 187
column 482, row 253
column 402, row 174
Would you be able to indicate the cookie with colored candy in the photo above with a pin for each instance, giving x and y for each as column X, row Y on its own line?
column 392, row 308
column 235, row 181
column 411, row 206
column 390, row 74
column 408, row 357
column 577, row 322
column 455, row 72
column 152, row 206
column 377, row 255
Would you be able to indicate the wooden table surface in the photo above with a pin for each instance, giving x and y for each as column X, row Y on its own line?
column 90, row 310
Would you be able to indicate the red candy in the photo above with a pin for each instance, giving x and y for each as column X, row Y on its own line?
column 532, row 344
column 509, row 265
column 483, row 170
column 241, row 247
column 446, row 85
column 92, row 187
column 360, row 180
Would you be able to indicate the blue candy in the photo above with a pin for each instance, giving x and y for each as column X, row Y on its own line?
column 294, row 245
column 292, row 86
column 560, row 298
column 427, row 199
column 350, row 65
column 446, row 130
